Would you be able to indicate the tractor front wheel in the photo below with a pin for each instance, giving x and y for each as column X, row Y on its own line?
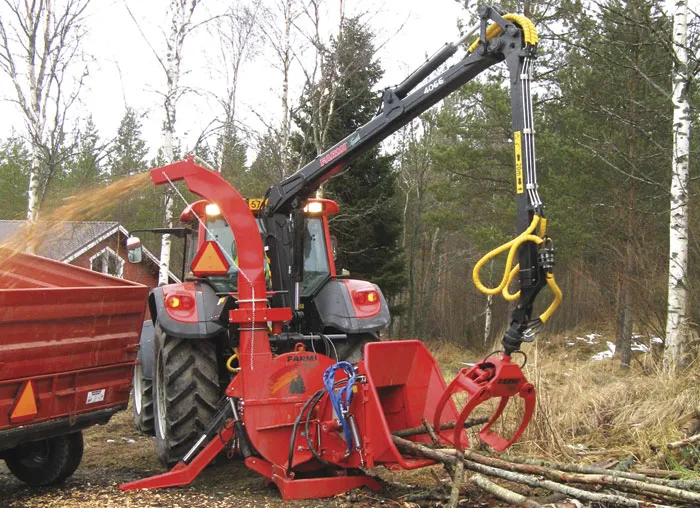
column 142, row 400
column 185, row 390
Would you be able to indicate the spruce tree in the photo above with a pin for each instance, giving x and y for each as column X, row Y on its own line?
column 14, row 161
column 369, row 224
column 128, row 155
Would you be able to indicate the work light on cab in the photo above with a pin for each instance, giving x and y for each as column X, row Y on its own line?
column 321, row 207
column 212, row 210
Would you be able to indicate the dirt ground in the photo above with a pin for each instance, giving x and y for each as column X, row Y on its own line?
column 117, row 453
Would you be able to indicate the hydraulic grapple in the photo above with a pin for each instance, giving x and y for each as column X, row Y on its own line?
column 310, row 423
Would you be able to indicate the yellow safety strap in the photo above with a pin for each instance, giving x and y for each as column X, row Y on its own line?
column 528, row 27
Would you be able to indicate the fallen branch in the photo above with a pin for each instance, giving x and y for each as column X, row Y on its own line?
column 658, row 473
column 414, row 431
column 503, row 493
column 607, row 478
column 639, row 475
column 456, row 482
column 684, row 442
column 527, row 479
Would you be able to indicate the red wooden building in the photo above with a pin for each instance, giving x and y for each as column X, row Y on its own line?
column 98, row 246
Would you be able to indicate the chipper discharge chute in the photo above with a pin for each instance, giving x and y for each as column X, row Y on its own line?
column 310, row 422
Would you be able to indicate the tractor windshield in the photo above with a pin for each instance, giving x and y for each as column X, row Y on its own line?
column 316, row 268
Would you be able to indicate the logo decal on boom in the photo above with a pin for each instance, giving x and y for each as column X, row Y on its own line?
column 334, row 153
column 432, row 86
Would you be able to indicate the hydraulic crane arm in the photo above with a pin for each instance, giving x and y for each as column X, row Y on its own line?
column 404, row 102
column 510, row 38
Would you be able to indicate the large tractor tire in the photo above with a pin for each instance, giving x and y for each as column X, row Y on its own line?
column 142, row 401
column 47, row 461
column 186, row 392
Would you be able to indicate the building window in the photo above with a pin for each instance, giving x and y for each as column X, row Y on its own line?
column 107, row 261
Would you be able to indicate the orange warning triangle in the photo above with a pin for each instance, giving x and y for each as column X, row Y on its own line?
column 209, row 260
column 25, row 404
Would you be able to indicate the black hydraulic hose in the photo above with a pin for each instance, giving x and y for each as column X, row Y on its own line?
column 293, row 439
column 306, row 431
column 318, row 395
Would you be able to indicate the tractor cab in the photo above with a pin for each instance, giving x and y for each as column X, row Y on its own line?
column 212, row 252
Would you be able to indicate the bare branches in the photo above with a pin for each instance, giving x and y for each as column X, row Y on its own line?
column 40, row 45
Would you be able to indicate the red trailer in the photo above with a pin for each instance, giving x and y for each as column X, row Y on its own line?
column 68, row 344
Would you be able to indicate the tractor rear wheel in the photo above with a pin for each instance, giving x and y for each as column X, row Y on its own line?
column 142, row 401
column 46, row 461
column 185, row 390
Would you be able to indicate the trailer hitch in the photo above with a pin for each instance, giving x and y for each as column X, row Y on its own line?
column 495, row 376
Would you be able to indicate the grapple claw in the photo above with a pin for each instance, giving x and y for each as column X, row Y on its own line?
column 495, row 376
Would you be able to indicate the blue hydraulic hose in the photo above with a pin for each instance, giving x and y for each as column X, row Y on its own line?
column 341, row 399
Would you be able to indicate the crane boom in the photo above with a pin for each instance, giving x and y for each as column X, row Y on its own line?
column 510, row 38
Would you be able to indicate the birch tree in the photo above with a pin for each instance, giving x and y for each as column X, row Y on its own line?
column 677, row 318
column 240, row 40
column 281, row 37
column 40, row 52
column 179, row 16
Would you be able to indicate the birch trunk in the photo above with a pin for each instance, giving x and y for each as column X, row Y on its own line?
column 286, row 64
column 33, row 190
column 179, row 27
column 488, row 318
column 677, row 319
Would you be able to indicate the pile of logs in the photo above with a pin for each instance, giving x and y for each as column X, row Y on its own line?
column 539, row 479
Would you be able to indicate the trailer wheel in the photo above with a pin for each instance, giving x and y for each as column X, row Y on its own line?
column 186, row 391
column 47, row 461
column 142, row 400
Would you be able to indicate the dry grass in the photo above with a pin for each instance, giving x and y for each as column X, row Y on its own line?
column 589, row 410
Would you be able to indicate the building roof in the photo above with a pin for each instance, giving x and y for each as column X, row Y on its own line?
column 70, row 239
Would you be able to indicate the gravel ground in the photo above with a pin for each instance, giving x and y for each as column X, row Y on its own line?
column 116, row 453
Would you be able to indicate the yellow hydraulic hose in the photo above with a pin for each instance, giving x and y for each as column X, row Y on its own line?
column 229, row 362
column 511, row 271
column 528, row 27
column 557, row 298
column 512, row 248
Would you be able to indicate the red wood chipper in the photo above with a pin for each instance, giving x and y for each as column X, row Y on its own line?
column 310, row 422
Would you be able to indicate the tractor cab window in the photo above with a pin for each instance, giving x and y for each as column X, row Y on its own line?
column 316, row 269
column 218, row 230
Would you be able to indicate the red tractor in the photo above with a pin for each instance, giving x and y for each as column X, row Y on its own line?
column 265, row 351
column 188, row 359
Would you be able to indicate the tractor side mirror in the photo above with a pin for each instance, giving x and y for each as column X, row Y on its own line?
column 133, row 249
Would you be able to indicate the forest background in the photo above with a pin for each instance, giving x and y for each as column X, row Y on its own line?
column 420, row 210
